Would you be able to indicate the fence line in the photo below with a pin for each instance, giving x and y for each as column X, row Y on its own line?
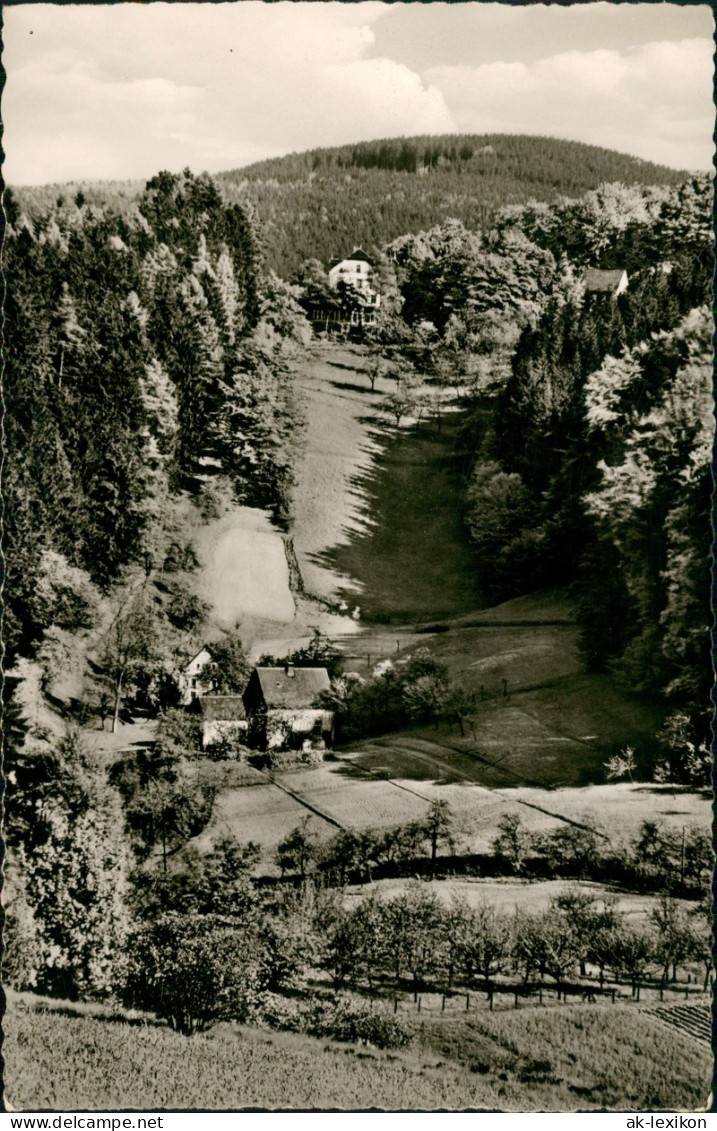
column 505, row 998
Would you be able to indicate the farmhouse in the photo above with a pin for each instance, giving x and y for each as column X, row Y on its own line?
column 223, row 717
column 194, row 680
column 611, row 283
column 280, row 708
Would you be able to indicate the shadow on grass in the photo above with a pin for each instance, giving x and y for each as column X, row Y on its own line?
column 359, row 770
column 349, row 387
column 353, row 368
column 413, row 555
column 90, row 1011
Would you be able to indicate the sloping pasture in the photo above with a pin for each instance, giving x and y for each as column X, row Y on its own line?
column 552, row 1059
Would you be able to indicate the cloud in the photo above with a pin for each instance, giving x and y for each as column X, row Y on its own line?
column 120, row 91
column 208, row 86
column 630, row 100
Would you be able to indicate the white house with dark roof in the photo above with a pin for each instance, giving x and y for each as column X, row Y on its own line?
column 612, row 282
column 356, row 268
column 281, row 708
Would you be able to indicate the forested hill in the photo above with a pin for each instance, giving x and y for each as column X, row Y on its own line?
column 315, row 205
column 318, row 204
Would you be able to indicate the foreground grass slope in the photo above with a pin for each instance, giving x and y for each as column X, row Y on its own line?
column 595, row 1057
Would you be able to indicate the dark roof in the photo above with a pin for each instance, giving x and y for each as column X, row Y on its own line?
column 222, row 708
column 296, row 690
column 357, row 253
column 597, row 280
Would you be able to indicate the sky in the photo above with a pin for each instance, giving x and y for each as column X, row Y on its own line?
column 97, row 91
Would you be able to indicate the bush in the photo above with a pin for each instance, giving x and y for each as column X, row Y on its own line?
column 288, row 759
column 184, row 609
column 229, row 747
column 336, row 1017
column 191, row 971
column 347, row 1020
column 179, row 733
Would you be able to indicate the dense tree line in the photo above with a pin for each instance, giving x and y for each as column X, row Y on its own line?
column 324, row 202
column 146, row 366
column 594, row 469
column 371, row 193
column 138, row 347
column 654, row 859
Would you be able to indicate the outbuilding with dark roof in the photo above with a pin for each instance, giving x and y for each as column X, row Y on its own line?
column 223, row 717
column 612, row 282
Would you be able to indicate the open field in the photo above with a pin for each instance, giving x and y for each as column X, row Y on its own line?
column 538, row 718
column 507, row 894
column 244, row 570
column 414, row 557
column 262, row 813
column 378, row 518
column 65, row 1057
column 387, row 786
column 340, row 443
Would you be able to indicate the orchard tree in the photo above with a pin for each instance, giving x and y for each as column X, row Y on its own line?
column 415, row 919
column 370, row 930
column 635, row 952
column 487, row 947
column 297, row 852
column 512, row 841
column 558, row 947
column 439, row 827
column 673, row 942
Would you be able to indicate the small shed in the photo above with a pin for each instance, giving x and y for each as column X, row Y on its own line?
column 281, row 708
column 612, row 282
column 223, row 717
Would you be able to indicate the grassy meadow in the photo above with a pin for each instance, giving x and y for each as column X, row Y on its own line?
column 385, row 785
column 551, row 1059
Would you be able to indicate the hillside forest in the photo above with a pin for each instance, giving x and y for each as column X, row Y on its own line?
column 321, row 203
column 148, row 368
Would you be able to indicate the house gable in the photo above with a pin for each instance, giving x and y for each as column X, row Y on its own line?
column 191, row 679
column 356, row 269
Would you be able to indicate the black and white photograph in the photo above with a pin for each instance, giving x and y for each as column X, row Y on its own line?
column 358, row 417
